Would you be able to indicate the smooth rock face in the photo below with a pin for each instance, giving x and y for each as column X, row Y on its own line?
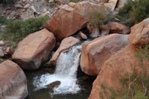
column 114, row 69
column 13, row 82
column 116, row 27
column 65, row 44
column 140, row 33
column 96, row 52
column 65, row 22
column 34, row 49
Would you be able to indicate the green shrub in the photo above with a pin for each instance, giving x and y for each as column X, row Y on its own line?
column 7, row 1
column 99, row 17
column 18, row 29
column 52, row 4
column 73, row 1
column 134, row 11
column 135, row 85
column 3, row 20
column 143, row 54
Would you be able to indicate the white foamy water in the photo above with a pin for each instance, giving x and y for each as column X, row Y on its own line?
column 66, row 68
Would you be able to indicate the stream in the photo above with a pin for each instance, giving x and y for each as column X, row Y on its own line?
column 68, row 81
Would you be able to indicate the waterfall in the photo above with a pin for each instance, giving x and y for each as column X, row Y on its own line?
column 66, row 72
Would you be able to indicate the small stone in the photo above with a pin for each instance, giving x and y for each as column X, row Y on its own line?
column 46, row 13
column 26, row 6
column 1, row 53
column 82, row 35
column 51, row 0
column 18, row 6
column 8, row 50
column 1, row 43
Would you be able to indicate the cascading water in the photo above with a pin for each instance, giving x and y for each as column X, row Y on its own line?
column 66, row 69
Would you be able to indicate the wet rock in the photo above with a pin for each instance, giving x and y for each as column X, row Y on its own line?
column 33, row 50
column 65, row 44
column 55, row 84
column 13, row 83
column 96, row 52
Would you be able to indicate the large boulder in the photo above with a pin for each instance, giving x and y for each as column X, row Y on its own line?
column 140, row 33
column 96, row 52
column 13, row 82
column 65, row 44
column 120, row 65
column 70, row 18
column 33, row 50
column 65, row 22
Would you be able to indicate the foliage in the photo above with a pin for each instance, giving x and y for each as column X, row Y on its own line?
column 135, row 87
column 136, row 84
column 73, row 1
column 3, row 20
column 107, row 92
column 16, row 30
column 99, row 17
column 143, row 53
column 52, row 4
column 134, row 11
column 7, row 1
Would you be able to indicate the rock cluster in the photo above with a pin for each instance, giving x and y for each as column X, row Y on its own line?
column 65, row 24
column 121, row 63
